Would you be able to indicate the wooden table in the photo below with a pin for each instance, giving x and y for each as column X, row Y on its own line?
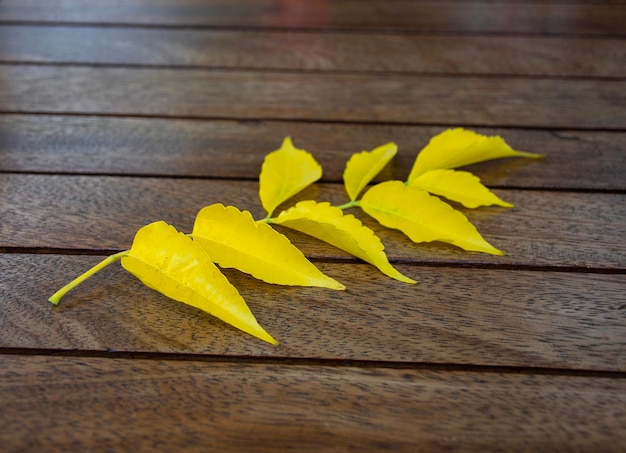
column 117, row 113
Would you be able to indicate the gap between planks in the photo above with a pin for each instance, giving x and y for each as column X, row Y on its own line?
column 279, row 70
column 345, row 260
column 307, row 30
column 304, row 121
column 311, row 361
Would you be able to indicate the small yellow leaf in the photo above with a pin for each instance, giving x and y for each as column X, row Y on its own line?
column 364, row 166
column 172, row 264
column 328, row 223
column 234, row 240
column 459, row 186
column 284, row 173
column 458, row 147
column 422, row 217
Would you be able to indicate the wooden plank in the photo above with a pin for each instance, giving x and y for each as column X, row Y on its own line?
column 331, row 97
column 139, row 146
column 316, row 51
column 523, row 352
column 556, row 229
column 460, row 316
column 444, row 16
column 98, row 404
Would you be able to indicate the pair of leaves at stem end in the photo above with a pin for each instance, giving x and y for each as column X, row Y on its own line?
column 433, row 168
column 409, row 207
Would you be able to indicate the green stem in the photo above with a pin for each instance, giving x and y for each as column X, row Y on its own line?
column 56, row 297
column 350, row 204
column 265, row 220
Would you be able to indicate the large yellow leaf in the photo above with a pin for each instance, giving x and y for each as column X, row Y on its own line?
column 422, row 217
column 328, row 223
column 174, row 265
column 364, row 166
column 284, row 173
column 458, row 147
column 460, row 186
column 233, row 239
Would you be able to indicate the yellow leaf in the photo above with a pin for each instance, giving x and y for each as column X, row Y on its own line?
column 171, row 263
column 284, row 173
column 233, row 239
column 458, row 147
column 422, row 217
column 364, row 166
column 328, row 223
column 460, row 186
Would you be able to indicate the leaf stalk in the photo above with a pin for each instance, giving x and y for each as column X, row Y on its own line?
column 350, row 204
column 56, row 297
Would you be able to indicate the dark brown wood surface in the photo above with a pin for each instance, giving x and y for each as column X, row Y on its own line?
column 332, row 51
column 116, row 114
column 472, row 101
column 115, row 404
column 555, row 229
column 235, row 149
column 451, row 16
column 489, row 317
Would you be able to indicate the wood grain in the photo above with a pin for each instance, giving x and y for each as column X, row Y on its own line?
column 555, row 229
column 114, row 404
column 230, row 149
column 509, row 55
column 471, row 101
column 454, row 316
column 445, row 16
column 119, row 113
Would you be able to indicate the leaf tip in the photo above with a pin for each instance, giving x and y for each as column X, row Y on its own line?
column 530, row 155
column 405, row 279
column 334, row 284
column 392, row 272
column 258, row 332
column 288, row 142
column 495, row 251
column 271, row 340
column 324, row 281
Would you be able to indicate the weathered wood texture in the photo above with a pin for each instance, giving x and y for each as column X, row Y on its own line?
column 517, row 55
column 556, row 229
column 119, row 113
column 443, row 16
column 452, row 316
column 111, row 405
column 454, row 101
column 231, row 149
